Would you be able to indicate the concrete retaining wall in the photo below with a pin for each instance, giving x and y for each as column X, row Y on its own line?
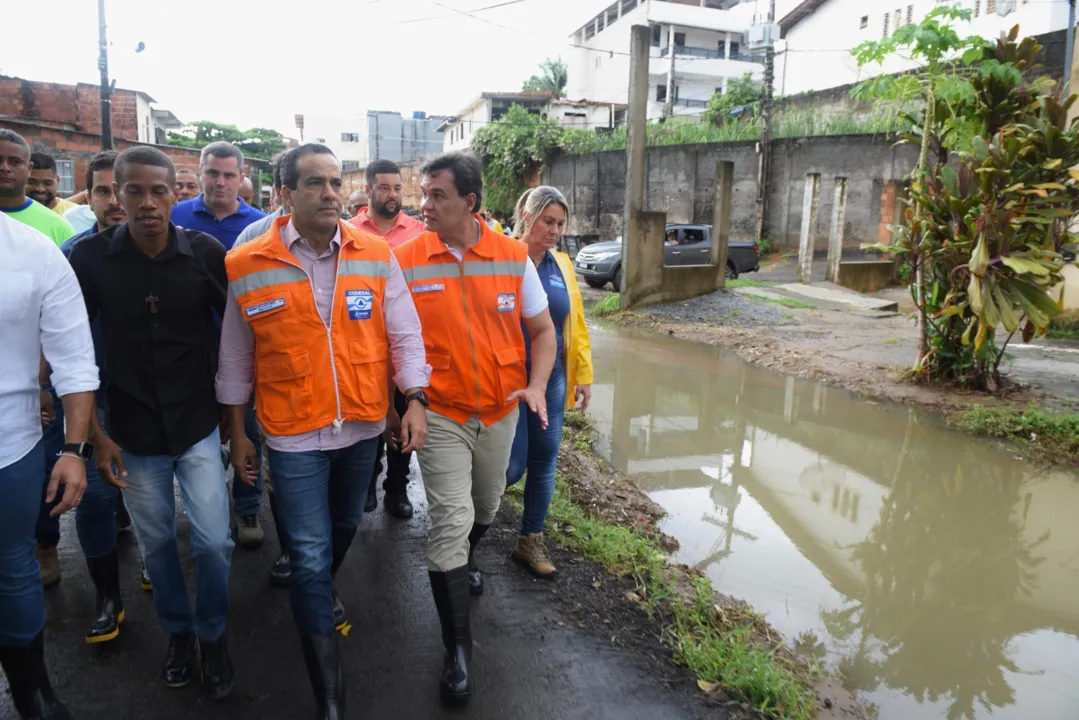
column 681, row 182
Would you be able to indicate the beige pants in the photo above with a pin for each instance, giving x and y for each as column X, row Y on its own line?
column 464, row 474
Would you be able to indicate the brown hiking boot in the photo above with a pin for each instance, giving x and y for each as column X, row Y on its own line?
column 532, row 553
column 50, row 565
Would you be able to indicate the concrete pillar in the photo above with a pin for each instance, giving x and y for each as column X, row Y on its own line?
column 636, row 145
column 668, row 107
column 727, row 47
column 809, row 228
column 835, row 235
column 721, row 218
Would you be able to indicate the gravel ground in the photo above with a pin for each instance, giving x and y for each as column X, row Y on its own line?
column 722, row 308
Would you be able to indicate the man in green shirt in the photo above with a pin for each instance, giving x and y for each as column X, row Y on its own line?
column 14, row 172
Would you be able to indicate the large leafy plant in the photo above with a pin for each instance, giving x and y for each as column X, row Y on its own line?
column 988, row 202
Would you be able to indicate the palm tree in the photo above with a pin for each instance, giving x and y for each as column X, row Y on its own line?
column 552, row 78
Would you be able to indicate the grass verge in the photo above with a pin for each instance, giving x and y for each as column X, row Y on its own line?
column 1046, row 436
column 726, row 645
column 1064, row 326
column 608, row 305
column 745, row 282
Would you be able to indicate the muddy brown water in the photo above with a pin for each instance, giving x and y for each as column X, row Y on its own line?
column 939, row 574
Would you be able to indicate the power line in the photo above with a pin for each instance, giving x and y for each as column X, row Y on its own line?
column 440, row 17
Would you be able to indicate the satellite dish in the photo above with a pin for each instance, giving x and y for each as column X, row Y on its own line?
column 1005, row 7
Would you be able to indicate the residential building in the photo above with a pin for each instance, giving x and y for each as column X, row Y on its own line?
column 457, row 130
column 65, row 121
column 818, row 35
column 706, row 37
column 357, row 139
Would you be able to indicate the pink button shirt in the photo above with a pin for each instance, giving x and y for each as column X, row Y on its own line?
column 236, row 367
column 403, row 230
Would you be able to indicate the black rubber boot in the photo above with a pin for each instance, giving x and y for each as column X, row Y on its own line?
column 323, row 659
column 475, row 577
column 397, row 503
column 31, row 692
column 217, row 673
column 105, row 572
column 450, row 590
column 340, row 615
column 178, row 660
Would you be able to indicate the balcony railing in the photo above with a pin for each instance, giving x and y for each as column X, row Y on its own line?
column 687, row 102
column 708, row 53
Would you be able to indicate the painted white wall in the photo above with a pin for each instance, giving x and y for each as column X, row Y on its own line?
column 816, row 52
column 144, row 116
column 327, row 130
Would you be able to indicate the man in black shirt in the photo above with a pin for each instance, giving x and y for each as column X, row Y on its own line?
column 155, row 288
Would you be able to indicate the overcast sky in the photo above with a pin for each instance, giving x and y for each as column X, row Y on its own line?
column 233, row 62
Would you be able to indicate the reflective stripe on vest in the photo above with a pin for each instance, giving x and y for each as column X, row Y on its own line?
column 473, row 268
column 266, row 278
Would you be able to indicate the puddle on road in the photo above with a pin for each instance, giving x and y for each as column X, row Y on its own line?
column 940, row 573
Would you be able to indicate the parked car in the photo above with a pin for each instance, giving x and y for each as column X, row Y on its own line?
column 601, row 263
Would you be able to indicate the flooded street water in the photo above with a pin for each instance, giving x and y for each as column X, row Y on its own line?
column 939, row 574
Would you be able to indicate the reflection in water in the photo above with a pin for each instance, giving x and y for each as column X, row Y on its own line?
column 940, row 572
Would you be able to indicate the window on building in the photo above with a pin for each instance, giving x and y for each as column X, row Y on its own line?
column 66, row 170
column 679, row 39
column 600, row 24
column 350, row 165
column 887, row 17
column 977, row 8
column 657, row 35
column 589, row 31
column 661, row 93
column 612, row 13
column 898, row 21
column 598, row 58
column 350, row 137
column 990, row 7
column 910, row 14
column 735, row 50
column 320, row 140
column 864, row 23
column 628, row 5
column 719, row 90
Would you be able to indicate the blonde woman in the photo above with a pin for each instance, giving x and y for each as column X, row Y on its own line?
column 539, row 221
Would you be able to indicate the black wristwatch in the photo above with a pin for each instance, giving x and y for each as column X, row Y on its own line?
column 418, row 395
column 84, row 450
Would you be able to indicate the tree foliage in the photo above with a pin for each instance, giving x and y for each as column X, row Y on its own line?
column 996, row 180
column 553, row 78
column 514, row 149
column 742, row 92
column 256, row 142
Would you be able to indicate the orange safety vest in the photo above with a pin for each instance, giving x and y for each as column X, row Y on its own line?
column 470, row 311
column 309, row 376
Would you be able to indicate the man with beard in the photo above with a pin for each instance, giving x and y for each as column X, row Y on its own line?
column 383, row 217
column 156, row 288
column 43, row 182
column 14, row 173
column 219, row 210
column 187, row 185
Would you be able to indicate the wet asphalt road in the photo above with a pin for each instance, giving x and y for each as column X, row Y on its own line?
column 527, row 664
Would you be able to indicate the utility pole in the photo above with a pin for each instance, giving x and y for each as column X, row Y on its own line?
column 765, row 158
column 1070, row 50
column 106, row 88
column 668, row 106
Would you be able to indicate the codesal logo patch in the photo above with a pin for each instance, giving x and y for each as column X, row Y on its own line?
column 507, row 302
column 359, row 304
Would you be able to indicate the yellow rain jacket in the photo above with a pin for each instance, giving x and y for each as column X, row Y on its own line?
column 577, row 350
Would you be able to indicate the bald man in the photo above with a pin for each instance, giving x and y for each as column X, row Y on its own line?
column 247, row 191
column 356, row 201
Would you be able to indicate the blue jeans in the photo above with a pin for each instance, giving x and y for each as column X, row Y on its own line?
column 95, row 517
column 22, row 599
column 320, row 497
column 536, row 450
column 152, row 506
column 246, row 499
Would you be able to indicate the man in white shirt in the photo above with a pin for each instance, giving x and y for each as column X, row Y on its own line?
column 41, row 310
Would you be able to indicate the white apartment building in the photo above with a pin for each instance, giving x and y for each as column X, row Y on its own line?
column 818, row 35
column 708, row 41
column 458, row 130
column 345, row 135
